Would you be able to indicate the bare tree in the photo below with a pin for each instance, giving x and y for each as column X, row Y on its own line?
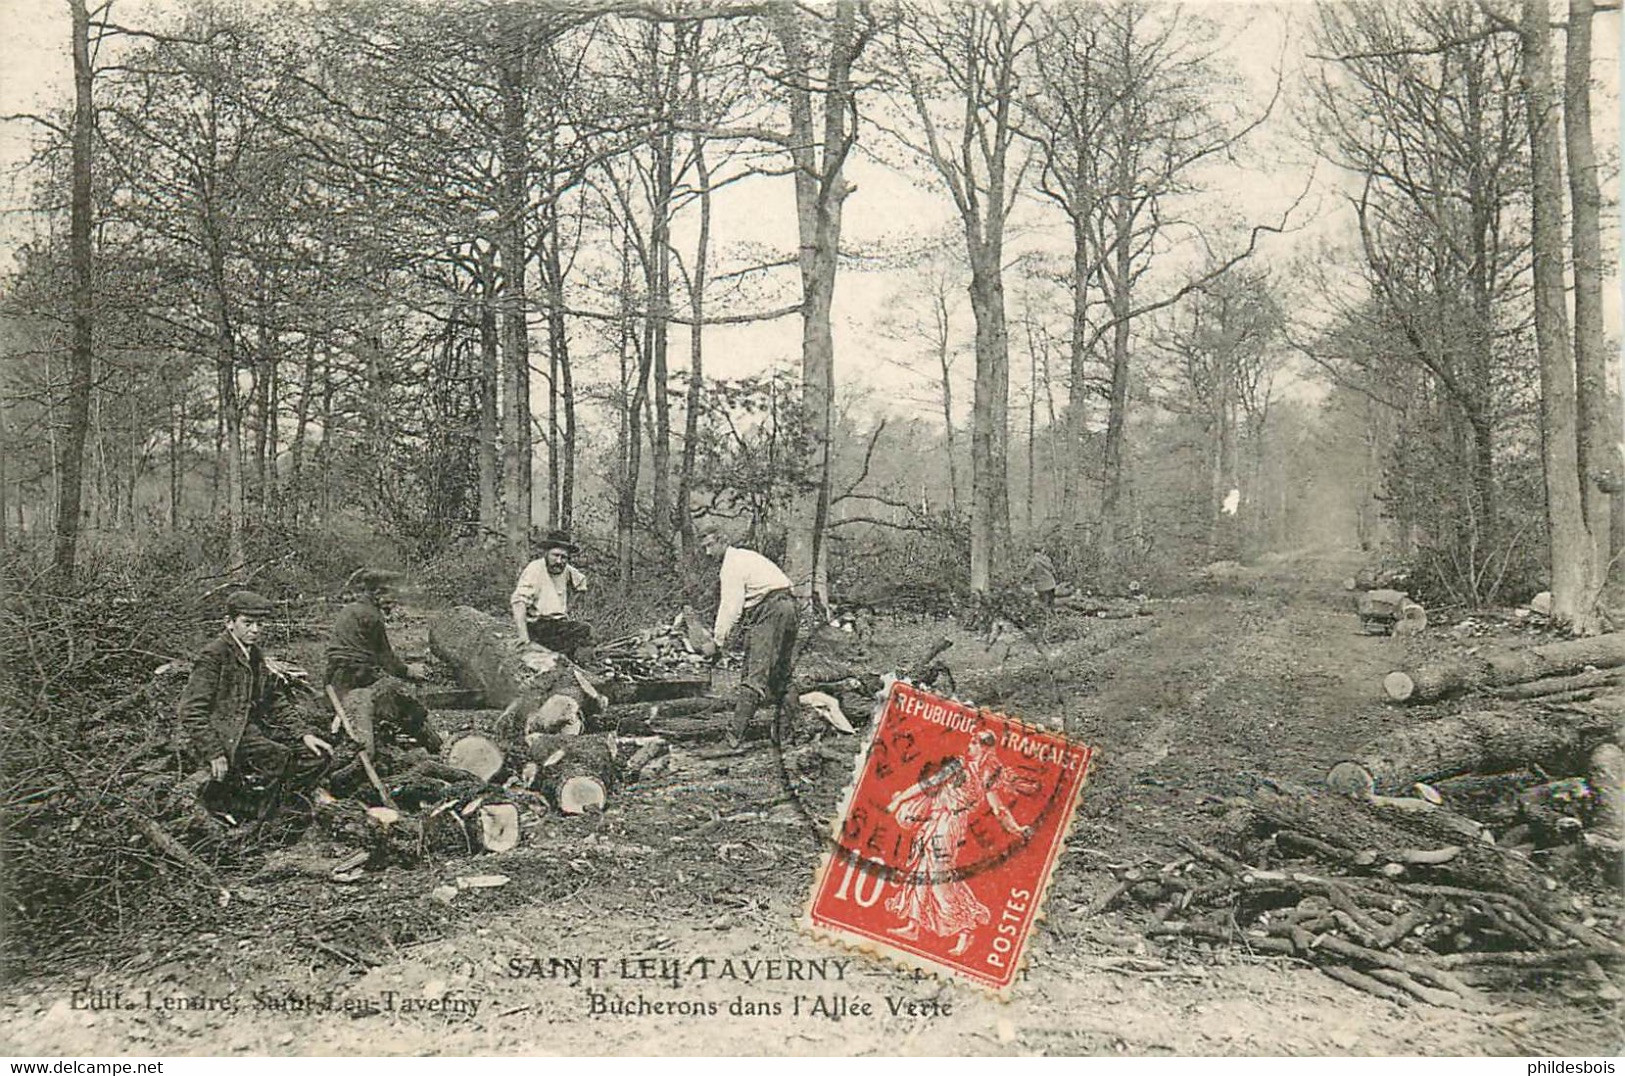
column 72, row 446
column 1601, row 429
column 1573, row 550
column 961, row 68
column 1131, row 102
column 819, row 91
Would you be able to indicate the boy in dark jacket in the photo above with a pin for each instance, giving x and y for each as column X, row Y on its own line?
column 227, row 714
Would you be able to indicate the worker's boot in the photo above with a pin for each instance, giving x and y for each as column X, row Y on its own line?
column 744, row 710
column 784, row 716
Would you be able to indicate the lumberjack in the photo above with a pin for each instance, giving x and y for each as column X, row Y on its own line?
column 756, row 592
column 358, row 649
column 541, row 601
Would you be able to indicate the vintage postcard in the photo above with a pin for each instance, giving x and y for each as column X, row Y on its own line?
column 499, row 500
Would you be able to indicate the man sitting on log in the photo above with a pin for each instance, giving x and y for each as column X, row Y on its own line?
column 358, row 649
column 227, row 709
column 541, row 601
column 755, row 592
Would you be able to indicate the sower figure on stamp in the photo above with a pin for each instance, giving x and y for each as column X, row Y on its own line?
column 358, row 649
column 541, row 600
column 228, row 715
column 755, row 593
column 932, row 894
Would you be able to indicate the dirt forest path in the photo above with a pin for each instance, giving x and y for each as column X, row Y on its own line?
column 1265, row 676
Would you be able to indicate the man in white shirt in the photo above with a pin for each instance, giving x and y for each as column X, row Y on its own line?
column 541, row 600
column 755, row 593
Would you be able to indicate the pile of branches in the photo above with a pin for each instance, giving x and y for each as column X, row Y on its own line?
column 1403, row 903
column 90, row 758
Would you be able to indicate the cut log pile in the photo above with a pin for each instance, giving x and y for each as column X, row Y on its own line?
column 1391, row 899
column 1504, row 668
column 540, row 742
column 1389, row 612
column 1542, row 767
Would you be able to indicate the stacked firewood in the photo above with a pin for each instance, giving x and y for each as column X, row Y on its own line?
column 1399, row 902
column 667, row 651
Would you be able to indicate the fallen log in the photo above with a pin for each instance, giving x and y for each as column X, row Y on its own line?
column 1555, row 685
column 484, row 655
column 451, row 698
column 1606, row 768
column 576, row 773
column 454, row 722
column 1377, row 838
column 1483, row 741
column 1434, row 680
column 621, row 692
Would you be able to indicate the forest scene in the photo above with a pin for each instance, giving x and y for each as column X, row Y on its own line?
column 1234, row 388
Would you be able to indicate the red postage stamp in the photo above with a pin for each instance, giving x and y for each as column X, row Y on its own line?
column 943, row 848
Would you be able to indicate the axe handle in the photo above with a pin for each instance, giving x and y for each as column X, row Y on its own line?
column 343, row 718
column 372, row 775
column 340, row 716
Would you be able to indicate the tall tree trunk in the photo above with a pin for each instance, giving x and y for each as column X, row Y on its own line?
column 1112, row 484
column 70, row 489
column 490, row 367
column 295, row 499
column 515, row 191
column 660, row 327
column 821, row 191
column 177, row 440
column 635, row 397
column 273, row 440
column 990, row 407
column 946, row 370
column 567, row 467
column 547, row 258
column 324, row 448
column 1032, row 424
column 1072, row 470
column 230, row 410
column 1600, row 434
column 696, row 350
column 1573, row 603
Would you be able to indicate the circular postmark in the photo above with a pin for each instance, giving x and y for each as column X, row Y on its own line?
column 942, row 791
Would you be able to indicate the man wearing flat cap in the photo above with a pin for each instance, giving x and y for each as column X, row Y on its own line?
column 227, row 714
column 358, row 649
column 541, row 600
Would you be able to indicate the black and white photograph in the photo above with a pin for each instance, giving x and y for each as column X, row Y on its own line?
column 866, row 528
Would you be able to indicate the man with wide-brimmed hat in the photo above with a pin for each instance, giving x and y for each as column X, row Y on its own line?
column 227, row 708
column 541, row 600
column 358, row 649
